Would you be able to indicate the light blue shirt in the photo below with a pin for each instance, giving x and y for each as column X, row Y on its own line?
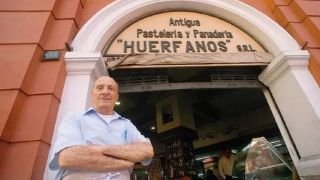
column 90, row 128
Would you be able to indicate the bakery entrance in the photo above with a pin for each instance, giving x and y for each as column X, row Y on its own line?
column 192, row 114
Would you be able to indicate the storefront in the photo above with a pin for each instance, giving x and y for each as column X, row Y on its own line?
column 198, row 67
column 189, row 31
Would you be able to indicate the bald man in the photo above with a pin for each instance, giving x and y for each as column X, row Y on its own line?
column 98, row 143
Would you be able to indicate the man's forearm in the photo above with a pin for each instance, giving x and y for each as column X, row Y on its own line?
column 135, row 152
column 220, row 169
column 222, row 173
column 91, row 158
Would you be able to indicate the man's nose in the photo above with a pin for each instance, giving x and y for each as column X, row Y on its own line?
column 105, row 91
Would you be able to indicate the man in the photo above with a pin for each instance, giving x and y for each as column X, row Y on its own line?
column 99, row 143
column 225, row 164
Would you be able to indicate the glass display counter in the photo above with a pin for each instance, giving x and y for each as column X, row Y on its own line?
column 261, row 161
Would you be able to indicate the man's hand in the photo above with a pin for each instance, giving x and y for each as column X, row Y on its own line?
column 135, row 152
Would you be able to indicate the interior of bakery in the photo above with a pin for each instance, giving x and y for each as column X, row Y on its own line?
column 192, row 114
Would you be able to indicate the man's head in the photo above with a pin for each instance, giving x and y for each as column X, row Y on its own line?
column 227, row 152
column 105, row 94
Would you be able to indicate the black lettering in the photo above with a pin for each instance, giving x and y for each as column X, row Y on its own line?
column 128, row 46
column 139, row 31
column 189, row 23
column 239, row 48
column 222, row 46
column 217, row 34
column 152, row 47
column 195, row 33
column 176, row 45
column 161, row 34
column 229, row 35
column 150, row 34
column 212, row 47
column 187, row 34
column 251, row 49
column 197, row 22
column 202, row 34
column 174, row 34
column 139, row 49
column 171, row 23
column 145, row 34
column 184, row 22
column 201, row 47
column 155, row 34
column 208, row 35
column 245, row 48
column 165, row 46
column 189, row 47
column 180, row 22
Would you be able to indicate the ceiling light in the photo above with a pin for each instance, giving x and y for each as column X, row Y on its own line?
column 152, row 127
column 118, row 103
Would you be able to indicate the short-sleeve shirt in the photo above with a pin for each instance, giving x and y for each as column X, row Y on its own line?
column 89, row 127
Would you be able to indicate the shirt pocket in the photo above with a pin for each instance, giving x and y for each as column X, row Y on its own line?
column 118, row 136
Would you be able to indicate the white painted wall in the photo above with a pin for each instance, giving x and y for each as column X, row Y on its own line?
column 82, row 70
column 297, row 96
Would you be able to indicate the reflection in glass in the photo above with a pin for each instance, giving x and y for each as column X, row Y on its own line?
column 261, row 161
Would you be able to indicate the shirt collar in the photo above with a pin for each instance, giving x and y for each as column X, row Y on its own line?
column 91, row 109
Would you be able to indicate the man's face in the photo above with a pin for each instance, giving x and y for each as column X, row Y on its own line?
column 228, row 153
column 105, row 94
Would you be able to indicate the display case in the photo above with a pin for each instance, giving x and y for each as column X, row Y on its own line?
column 261, row 161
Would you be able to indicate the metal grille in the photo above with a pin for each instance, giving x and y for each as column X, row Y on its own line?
column 231, row 77
column 142, row 80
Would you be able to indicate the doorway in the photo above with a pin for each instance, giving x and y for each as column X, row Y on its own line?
column 227, row 104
